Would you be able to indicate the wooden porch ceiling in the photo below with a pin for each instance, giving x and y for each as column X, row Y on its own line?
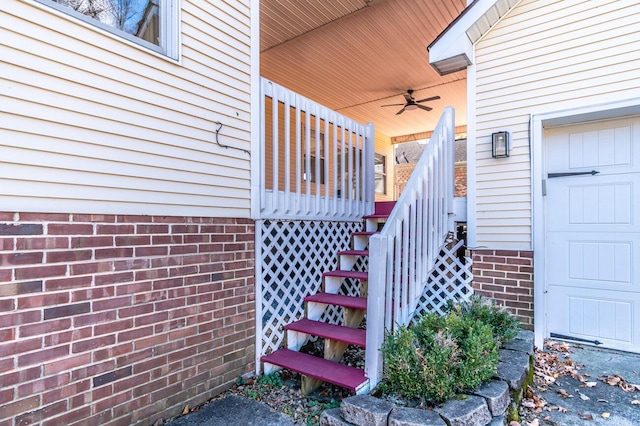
column 355, row 55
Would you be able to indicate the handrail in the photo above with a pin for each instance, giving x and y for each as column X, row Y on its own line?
column 403, row 255
column 315, row 163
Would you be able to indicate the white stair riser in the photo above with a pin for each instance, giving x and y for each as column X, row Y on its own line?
column 347, row 261
column 315, row 310
column 371, row 225
column 296, row 340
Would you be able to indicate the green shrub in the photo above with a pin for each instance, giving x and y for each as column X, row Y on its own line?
column 401, row 362
column 480, row 356
column 505, row 326
column 440, row 356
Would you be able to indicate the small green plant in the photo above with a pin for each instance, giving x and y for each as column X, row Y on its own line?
column 273, row 381
column 442, row 355
column 250, row 393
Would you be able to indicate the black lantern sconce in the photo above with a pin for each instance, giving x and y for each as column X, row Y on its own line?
column 500, row 144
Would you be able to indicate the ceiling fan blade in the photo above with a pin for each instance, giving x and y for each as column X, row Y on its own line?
column 400, row 112
column 426, row 108
column 433, row 98
column 392, row 105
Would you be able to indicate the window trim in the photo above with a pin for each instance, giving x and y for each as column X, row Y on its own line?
column 384, row 172
column 169, row 27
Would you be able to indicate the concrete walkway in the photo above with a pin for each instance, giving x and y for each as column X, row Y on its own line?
column 602, row 398
column 234, row 411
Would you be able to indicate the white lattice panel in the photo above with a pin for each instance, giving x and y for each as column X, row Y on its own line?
column 294, row 256
column 402, row 172
column 450, row 280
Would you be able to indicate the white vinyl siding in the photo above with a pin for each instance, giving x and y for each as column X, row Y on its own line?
column 93, row 123
column 545, row 55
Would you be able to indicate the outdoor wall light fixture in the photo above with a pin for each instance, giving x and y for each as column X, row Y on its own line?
column 500, row 144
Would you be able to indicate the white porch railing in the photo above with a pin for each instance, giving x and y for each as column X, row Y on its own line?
column 315, row 163
column 402, row 256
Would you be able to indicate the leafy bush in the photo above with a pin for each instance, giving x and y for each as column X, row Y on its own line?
column 440, row 356
column 505, row 326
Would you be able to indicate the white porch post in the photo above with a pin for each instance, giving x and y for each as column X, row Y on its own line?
column 369, row 172
column 378, row 247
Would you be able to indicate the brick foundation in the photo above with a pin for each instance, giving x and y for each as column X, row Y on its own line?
column 507, row 277
column 119, row 320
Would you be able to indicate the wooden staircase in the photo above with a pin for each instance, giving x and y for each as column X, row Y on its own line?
column 316, row 370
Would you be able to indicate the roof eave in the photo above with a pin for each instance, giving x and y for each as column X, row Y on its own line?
column 452, row 50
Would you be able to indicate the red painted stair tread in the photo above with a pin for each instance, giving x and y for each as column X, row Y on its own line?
column 353, row 302
column 352, row 336
column 365, row 233
column 376, row 216
column 359, row 275
column 354, row 252
column 328, row 371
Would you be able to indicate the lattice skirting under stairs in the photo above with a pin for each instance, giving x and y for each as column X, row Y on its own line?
column 293, row 256
column 450, row 280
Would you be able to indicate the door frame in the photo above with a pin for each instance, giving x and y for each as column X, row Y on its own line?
column 537, row 123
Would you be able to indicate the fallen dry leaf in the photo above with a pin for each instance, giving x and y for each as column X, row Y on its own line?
column 584, row 397
column 534, row 422
column 590, row 384
column 585, row 416
column 563, row 393
column 616, row 380
column 186, row 410
column 605, row 415
column 514, row 423
column 602, row 400
column 635, row 402
column 611, row 380
column 562, row 409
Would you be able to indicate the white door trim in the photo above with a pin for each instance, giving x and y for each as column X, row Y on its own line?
column 537, row 124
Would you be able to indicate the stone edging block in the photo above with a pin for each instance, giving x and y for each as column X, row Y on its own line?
column 472, row 411
column 366, row 410
column 513, row 368
column 401, row 416
column 496, row 394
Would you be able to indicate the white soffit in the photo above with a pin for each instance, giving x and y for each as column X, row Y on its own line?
column 453, row 49
column 489, row 18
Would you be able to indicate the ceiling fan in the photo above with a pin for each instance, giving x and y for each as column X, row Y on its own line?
column 412, row 103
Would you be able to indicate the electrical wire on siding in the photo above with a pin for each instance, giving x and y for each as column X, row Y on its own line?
column 227, row 146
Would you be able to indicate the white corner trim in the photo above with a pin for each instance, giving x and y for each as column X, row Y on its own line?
column 472, row 239
column 258, row 294
column 538, row 237
column 256, row 146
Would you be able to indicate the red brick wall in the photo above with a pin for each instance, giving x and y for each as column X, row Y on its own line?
column 507, row 277
column 460, row 180
column 121, row 320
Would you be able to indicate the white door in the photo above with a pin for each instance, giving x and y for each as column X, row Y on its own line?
column 592, row 219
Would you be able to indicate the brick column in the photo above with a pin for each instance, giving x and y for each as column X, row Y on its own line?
column 506, row 276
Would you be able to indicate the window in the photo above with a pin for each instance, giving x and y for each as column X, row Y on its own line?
column 151, row 23
column 310, row 174
column 380, row 173
column 312, row 171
